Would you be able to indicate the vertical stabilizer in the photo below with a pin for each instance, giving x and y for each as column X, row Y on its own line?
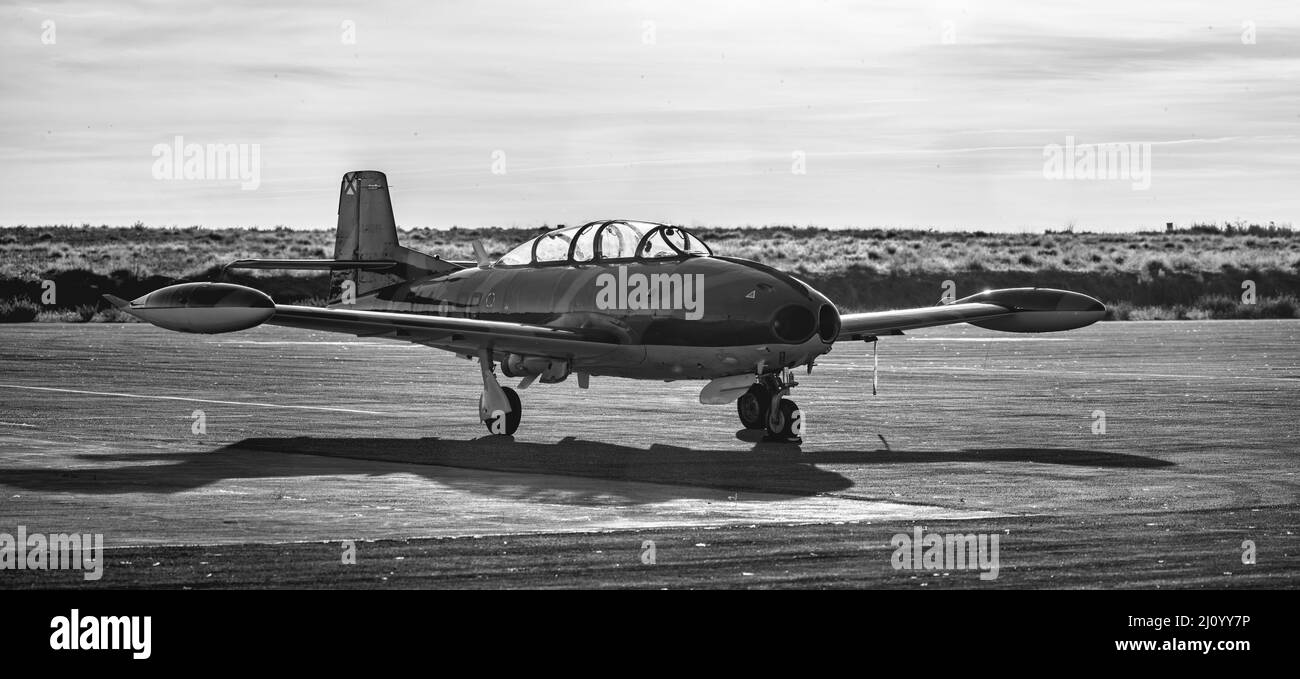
column 367, row 232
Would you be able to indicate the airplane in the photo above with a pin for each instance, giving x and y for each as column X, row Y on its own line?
column 616, row 298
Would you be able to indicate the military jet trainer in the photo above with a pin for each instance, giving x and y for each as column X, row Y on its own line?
column 613, row 298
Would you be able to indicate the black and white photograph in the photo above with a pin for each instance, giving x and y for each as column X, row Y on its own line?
column 645, row 295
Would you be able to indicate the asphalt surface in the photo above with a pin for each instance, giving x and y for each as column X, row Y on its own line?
column 309, row 440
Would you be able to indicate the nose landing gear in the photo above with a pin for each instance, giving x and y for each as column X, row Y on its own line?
column 765, row 407
column 499, row 407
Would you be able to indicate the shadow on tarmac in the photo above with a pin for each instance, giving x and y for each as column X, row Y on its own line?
column 551, row 468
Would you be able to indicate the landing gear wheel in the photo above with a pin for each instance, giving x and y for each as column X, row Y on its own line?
column 505, row 423
column 752, row 407
column 785, row 423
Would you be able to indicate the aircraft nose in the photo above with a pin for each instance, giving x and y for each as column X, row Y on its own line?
column 794, row 311
column 798, row 322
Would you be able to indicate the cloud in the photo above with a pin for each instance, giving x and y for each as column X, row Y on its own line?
column 690, row 111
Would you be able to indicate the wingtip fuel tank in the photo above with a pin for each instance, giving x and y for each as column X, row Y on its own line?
column 1039, row 309
column 201, row 307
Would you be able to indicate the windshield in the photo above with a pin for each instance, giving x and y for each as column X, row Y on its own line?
column 610, row 240
column 619, row 240
column 552, row 246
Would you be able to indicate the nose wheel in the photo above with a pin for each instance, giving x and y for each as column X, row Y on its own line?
column 765, row 407
column 752, row 407
column 785, row 422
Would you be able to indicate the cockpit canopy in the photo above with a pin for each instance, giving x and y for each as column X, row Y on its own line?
column 605, row 241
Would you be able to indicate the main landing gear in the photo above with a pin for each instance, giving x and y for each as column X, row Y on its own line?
column 765, row 407
column 499, row 407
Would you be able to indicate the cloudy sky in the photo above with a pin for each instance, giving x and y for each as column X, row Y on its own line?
column 508, row 112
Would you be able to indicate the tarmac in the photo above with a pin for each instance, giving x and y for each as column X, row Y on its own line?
column 1134, row 454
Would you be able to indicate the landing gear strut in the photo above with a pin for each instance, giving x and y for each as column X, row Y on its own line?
column 499, row 407
column 764, row 406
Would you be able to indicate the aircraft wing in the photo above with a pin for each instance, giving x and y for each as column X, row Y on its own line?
column 860, row 326
column 446, row 332
column 225, row 307
column 1011, row 310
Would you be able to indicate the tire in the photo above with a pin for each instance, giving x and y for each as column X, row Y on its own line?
column 787, row 423
column 752, row 407
column 513, row 418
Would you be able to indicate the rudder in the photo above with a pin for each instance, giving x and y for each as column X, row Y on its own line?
column 368, row 232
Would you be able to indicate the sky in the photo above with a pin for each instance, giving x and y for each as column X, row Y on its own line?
column 514, row 113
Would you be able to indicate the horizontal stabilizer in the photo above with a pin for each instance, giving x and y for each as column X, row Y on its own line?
column 313, row 264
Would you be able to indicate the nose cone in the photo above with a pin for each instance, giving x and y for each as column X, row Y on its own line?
column 203, row 307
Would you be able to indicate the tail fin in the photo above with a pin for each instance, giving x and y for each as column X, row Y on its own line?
column 367, row 231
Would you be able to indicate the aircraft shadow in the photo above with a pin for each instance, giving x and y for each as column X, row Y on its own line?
column 557, row 472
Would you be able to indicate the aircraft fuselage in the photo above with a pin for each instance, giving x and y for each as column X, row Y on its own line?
column 690, row 318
